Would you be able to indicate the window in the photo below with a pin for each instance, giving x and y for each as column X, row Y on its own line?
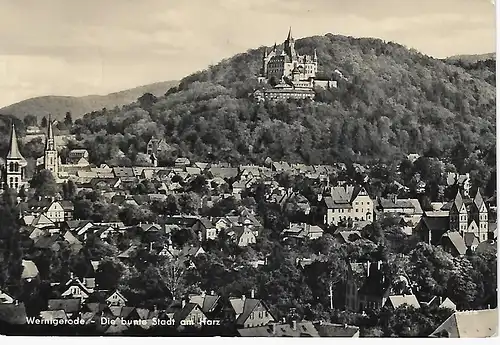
column 357, row 210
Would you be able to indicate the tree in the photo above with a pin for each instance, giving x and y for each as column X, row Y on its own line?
column 30, row 120
column 109, row 274
column 172, row 272
column 68, row 120
column 44, row 184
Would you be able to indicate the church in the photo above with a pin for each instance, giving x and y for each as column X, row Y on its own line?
column 13, row 171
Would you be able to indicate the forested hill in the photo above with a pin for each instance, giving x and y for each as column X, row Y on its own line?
column 396, row 101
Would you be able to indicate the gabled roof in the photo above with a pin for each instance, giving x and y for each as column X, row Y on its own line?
column 53, row 315
column 456, row 241
column 470, row 239
column 243, row 308
column 69, row 305
column 185, row 311
column 46, row 242
column 400, row 300
column 470, row 324
column 206, row 302
column 436, row 223
column 29, row 269
column 302, row 329
column 12, row 313
column 478, row 200
column 329, row 330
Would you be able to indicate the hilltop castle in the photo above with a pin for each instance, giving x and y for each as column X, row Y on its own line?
column 289, row 74
column 288, row 64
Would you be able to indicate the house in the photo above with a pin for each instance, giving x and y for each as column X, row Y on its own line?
column 397, row 301
column 13, row 313
column 242, row 235
column 52, row 242
column 453, row 243
column 302, row 231
column 206, row 229
column 116, row 299
column 332, row 330
column 280, row 167
column 292, row 329
column 248, row 312
column 125, row 174
column 211, row 304
column 5, row 298
column 189, row 315
column 366, row 286
column 439, row 302
column 70, row 306
column 76, row 288
column 432, row 227
column 469, row 324
column 182, row 162
column 30, row 271
column 53, row 210
column 343, row 237
column 394, row 205
column 348, row 203
column 74, row 156
column 223, row 173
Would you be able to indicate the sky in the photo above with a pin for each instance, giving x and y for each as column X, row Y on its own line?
column 76, row 48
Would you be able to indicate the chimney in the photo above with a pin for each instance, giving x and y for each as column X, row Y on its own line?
column 17, row 303
column 243, row 297
column 274, row 328
column 294, row 325
column 379, row 265
column 212, row 293
column 368, row 269
column 155, row 308
column 183, row 303
column 252, row 293
column 440, row 300
column 345, row 325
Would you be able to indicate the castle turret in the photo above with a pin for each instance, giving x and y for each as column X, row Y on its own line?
column 15, row 164
column 289, row 47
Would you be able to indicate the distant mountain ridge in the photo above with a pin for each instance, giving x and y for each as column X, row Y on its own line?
column 57, row 106
column 472, row 58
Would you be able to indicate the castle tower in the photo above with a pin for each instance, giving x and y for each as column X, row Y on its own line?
column 51, row 161
column 15, row 164
column 289, row 46
column 264, row 63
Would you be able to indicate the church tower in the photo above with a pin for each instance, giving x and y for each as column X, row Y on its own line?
column 15, row 164
column 480, row 215
column 51, row 161
column 458, row 215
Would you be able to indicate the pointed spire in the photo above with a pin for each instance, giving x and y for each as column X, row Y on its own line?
column 458, row 201
column 478, row 200
column 290, row 34
column 275, row 47
column 50, row 142
column 14, row 152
